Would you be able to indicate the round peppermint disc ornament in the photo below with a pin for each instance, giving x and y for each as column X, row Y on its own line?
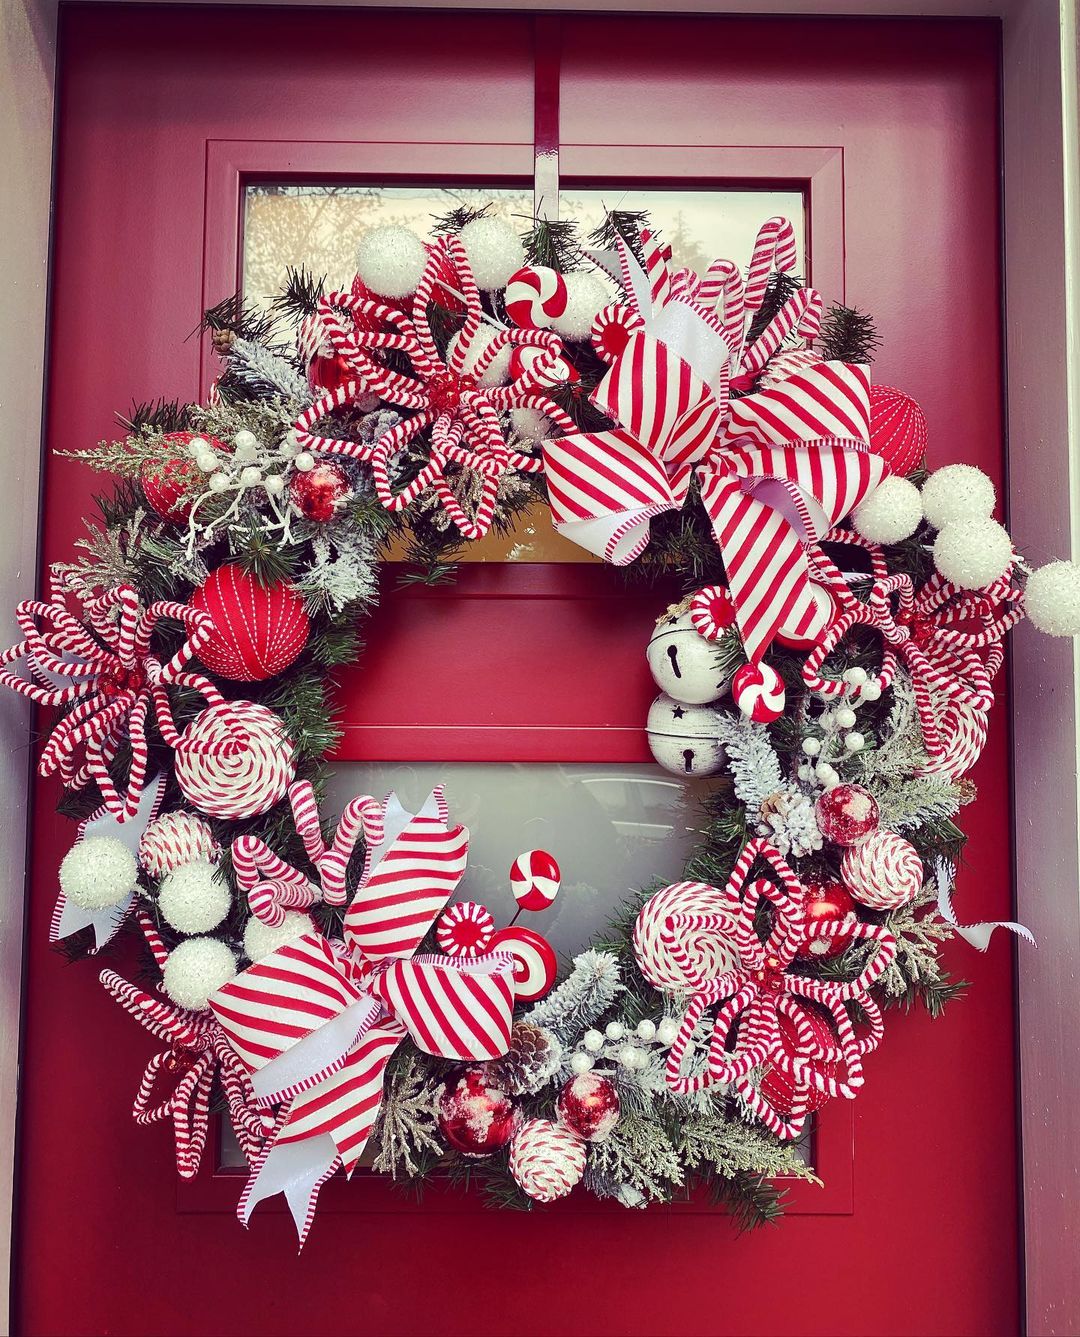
column 258, row 630
column 234, row 760
column 712, row 612
column 465, row 929
column 611, row 330
column 534, row 297
column 534, row 879
column 883, row 872
column 535, row 963
column 758, row 691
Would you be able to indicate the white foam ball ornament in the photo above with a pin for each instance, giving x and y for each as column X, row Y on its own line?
column 586, row 297
column 530, row 424
column 684, row 738
column 261, row 939
column 193, row 898
column 390, row 260
column 683, row 663
column 973, row 553
column 494, row 250
column 97, row 872
column 497, row 372
column 891, row 513
column 196, row 968
column 957, row 492
column 1052, row 599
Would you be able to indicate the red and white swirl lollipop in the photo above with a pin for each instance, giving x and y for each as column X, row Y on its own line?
column 527, row 360
column 535, row 297
column 234, row 760
column 535, row 963
column 534, row 879
column 758, row 691
column 465, row 929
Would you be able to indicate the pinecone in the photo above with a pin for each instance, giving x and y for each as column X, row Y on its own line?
column 531, row 1061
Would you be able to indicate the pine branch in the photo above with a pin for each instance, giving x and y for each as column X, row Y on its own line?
column 553, row 244
column 624, row 223
column 235, row 315
column 459, row 217
column 779, row 288
column 848, row 335
column 300, row 296
column 162, row 415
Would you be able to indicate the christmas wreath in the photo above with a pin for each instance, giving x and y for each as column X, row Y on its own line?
column 831, row 665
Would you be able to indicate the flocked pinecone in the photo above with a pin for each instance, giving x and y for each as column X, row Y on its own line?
column 788, row 820
column 531, row 1061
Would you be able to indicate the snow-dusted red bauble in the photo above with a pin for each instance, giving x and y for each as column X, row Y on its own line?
column 777, row 1086
column 883, row 872
column 824, row 902
column 589, row 1106
column 534, row 879
column 758, row 691
column 809, row 635
column 320, row 493
column 535, row 962
column 258, row 630
column 465, row 929
column 168, row 486
column 898, row 429
column 476, row 1117
column 535, row 297
column 847, row 814
column 446, row 286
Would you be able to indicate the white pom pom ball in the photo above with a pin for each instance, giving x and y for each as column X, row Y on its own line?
column 892, row 512
column 530, row 424
column 497, row 372
column 586, row 297
column 494, row 250
column 957, row 492
column 972, row 553
column 193, row 899
column 260, row 939
column 195, row 969
column 98, row 872
column 1052, row 599
column 390, row 260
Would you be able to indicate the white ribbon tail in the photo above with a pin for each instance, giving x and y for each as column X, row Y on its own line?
column 296, row 1169
column 977, row 935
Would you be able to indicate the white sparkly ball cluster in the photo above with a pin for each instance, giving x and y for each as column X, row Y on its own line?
column 891, row 513
column 261, row 939
column 629, row 1048
column 971, row 549
column 1052, row 599
column 390, row 260
column 98, row 872
column 494, row 251
column 196, row 968
column 194, row 898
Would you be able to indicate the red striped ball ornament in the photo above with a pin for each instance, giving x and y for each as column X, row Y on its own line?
column 535, row 962
column 778, row 1085
column 258, row 630
column 898, row 429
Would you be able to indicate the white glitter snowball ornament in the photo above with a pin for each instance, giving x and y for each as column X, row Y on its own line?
column 973, row 553
column 957, row 492
column 497, row 372
column 892, row 512
column 193, row 899
column 173, row 839
column 260, row 939
column 494, row 250
column 390, row 260
column 196, row 968
column 1052, row 599
column 530, row 424
column 97, row 872
column 683, row 663
column 683, row 738
column 586, row 297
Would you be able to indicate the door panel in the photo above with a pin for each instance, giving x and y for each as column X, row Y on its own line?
column 889, row 131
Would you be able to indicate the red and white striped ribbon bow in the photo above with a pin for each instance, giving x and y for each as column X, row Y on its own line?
column 316, row 1021
column 777, row 468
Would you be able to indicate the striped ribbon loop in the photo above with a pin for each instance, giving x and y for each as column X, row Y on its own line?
column 316, row 1021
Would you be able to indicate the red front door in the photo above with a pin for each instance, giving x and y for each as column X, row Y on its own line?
column 888, row 131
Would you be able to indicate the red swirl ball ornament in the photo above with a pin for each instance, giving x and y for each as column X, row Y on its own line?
column 476, row 1117
column 847, row 814
column 321, row 493
column 258, row 630
column 589, row 1107
column 898, row 429
column 171, row 486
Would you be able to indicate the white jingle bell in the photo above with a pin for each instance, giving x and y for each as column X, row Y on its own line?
column 684, row 664
column 683, row 738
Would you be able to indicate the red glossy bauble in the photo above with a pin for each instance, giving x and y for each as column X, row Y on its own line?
column 171, row 486
column 778, row 1087
column 898, row 430
column 847, row 814
column 258, row 630
column 329, row 373
column 826, row 901
column 320, row 493
column 476, row 1117
column 589, row 1106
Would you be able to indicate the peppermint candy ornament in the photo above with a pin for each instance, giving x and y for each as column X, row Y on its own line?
column 465, row 929
column 611, row 330
column 174, row 839
column 528, row 360
column 758, row 691
column 535, row 963
column 258, row 631
column 712, row 612
column 234, row 760
column 684, row 934
column 534, row 879
column 883, row 872
column 534, row 297
column 546, row 1160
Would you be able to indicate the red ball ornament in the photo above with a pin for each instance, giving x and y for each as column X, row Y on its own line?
column 826, row 901
column 898, row 429
column 320, row 493
column 447, row 284
column 777, row 1086
column 258, row 631
column 170, row 486
column 329, row 373
column 475, row 1116
column 589, row 1106
column 847, row 814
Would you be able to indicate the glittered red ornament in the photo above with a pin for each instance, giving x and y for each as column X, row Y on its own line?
column 778, row 1087
column 258, row 630
column 847, row 814
column 898, row 429
column 826, row 901
column 320, row 493
column 589, row 1106
column 171, row 485
column 476, row 1117
column 328, row 373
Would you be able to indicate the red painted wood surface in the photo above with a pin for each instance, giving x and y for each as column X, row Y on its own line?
column 907, row 113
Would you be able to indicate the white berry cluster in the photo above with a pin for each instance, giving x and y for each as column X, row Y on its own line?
column 835, row 737
column 630, row 1049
